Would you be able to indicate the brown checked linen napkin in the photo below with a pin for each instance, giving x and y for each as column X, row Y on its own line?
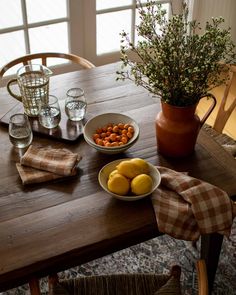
column 186, row 207
column 40, row 164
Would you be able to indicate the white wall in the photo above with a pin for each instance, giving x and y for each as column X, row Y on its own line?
column 203, row 10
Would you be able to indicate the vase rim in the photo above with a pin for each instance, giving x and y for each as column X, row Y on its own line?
column 180, row 107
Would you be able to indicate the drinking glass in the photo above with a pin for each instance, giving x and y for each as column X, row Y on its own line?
column 75, row 104
column 50, row 113
column 20, row 132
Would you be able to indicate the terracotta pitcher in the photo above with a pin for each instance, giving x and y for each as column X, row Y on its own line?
column 177, row 128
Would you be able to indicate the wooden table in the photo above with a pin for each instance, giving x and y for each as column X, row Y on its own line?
column 50, row 227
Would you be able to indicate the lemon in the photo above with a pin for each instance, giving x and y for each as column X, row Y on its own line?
column 118, row 184
column 141, row 184
column 128, row 169
column 113, row 173
column 143, row 165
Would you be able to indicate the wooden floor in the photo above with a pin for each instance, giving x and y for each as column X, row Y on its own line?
column 230, row 127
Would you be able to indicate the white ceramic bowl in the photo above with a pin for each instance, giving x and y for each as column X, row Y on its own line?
column 107, row 169
column 104, row 119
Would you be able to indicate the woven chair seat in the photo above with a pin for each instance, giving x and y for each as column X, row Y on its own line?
column 120, row 284
column 227, row 142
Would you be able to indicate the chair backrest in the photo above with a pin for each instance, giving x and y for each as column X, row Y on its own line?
column 229, row 98
column 95, row 284
column 24, row 60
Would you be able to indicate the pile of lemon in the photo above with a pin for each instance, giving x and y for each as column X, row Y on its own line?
column 130, row 177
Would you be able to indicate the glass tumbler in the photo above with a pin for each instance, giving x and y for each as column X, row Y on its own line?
column 20, row 132
column 75, row 104
column 50, row 113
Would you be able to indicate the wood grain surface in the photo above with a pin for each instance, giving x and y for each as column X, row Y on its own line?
column 53, row 226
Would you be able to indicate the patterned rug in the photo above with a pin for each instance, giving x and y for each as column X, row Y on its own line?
column 157, row 255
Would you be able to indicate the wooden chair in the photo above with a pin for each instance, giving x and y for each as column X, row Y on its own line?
column 27, row 59
column 226, row 107
column 223, row 113
column 124, row 284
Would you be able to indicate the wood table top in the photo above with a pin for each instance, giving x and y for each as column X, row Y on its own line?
column 53, row 226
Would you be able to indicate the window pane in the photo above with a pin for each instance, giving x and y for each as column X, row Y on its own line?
column 109, row 27
column 39, row 10
column 12, row 46
column 104, row 4
column 11, row 13
column 49, row 38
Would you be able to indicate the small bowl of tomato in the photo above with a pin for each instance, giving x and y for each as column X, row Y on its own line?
column 111, row 133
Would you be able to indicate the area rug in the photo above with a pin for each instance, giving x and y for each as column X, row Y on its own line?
column 157, row 255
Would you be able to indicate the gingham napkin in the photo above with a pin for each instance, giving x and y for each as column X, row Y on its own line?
column 40, row 164
column 186, row 207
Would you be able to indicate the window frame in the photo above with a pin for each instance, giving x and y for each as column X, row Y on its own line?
column 81, row 19
column 90, row 14
column 25, row 27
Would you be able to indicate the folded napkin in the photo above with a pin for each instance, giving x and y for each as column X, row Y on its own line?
column 186, row 207
column 40, row 164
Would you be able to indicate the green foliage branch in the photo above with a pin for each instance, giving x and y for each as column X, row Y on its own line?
column 172, row 60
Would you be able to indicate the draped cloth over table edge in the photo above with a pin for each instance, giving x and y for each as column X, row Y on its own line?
column 40, row 164
column 186, row 207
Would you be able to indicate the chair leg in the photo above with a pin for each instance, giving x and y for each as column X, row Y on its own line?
column 202, row 278
column 34, row 286
column 52, row 280
column 176, row 271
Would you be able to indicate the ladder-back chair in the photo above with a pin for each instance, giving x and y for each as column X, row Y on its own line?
column 27, row 59
column 124, row 284
column 223, row 113
column 226, row 107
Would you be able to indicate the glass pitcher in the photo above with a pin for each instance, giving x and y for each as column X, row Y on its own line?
column 33, row 82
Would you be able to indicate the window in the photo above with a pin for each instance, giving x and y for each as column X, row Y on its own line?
column 110, row 18
column 31, row 26
column 107, row 13
column 89, row 28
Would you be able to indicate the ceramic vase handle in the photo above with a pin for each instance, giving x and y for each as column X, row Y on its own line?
column 18, row 97
column 203, row 120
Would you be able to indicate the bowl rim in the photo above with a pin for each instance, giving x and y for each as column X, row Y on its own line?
column 128, row 198
column 128, row 144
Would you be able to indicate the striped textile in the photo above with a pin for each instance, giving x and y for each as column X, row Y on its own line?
column 186, row 207
column 119, row 284
column 40, row 164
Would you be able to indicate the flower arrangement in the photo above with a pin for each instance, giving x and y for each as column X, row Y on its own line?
column 173, row 60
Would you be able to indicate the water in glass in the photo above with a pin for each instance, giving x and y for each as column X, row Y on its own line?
column 50, row 117
column 20, row 132
column 50, row 114
column 75, row 104
column 76, row 110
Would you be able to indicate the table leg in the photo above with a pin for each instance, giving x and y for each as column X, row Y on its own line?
column 210, row 252
column 34, row 286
